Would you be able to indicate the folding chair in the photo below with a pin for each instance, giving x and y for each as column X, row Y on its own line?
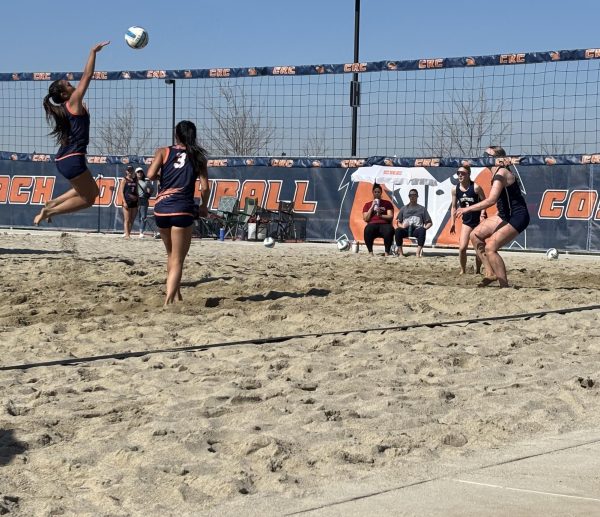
column 285, row 228
column 264, row 219
column 244, row 216
column 227, row 215
column 204, row 227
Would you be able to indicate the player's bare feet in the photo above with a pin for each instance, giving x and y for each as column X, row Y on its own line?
column 38, row 219
column 487, row 281
column 50, row 204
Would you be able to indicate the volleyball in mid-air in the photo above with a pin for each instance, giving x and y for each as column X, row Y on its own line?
column 552, row 254
column 269, row 242
column 136, row 37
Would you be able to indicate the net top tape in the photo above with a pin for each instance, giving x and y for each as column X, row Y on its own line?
column 325, row 163
column 344, row 68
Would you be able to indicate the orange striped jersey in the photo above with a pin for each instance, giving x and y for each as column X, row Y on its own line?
column 176, row 185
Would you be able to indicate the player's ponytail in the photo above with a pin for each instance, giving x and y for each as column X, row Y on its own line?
column 499, row 152
column 55, row 114
column 185, row 132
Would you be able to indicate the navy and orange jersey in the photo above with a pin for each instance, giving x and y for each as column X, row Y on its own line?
column 467, row 198
column 130, row 190
column 177, row 184
column 79, row 134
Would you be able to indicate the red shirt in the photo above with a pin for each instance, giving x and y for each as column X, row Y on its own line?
column 384, row 206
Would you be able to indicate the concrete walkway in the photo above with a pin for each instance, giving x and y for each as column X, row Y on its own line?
column 553, row 476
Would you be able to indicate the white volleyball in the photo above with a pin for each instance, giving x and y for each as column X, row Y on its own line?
column 552, row 254
column 343, row 244
column 269, row 242
column 136, row 37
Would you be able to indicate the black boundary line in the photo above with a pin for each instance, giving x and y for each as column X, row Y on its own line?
column 445, row 476
column 281, row 339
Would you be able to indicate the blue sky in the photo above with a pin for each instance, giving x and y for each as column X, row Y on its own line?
column 42, row 35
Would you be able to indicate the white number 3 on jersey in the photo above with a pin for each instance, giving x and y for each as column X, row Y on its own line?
column 180, row 162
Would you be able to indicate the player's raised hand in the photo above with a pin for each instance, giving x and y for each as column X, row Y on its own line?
column 100, row 46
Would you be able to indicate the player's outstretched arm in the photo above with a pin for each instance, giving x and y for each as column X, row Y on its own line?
column 76, row 100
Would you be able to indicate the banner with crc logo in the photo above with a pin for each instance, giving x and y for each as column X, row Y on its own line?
column 563, row 200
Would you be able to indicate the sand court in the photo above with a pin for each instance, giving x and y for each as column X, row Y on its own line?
column 189, row 432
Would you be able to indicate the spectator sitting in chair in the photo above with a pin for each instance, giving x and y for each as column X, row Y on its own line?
column 414, row 221
column 378, row 214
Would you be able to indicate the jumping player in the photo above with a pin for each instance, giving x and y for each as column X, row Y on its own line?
column 467, row 193
column 177, row 167
column 494, row 232
column 65, row 109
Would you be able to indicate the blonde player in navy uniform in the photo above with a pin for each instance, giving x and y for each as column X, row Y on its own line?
column 177, row 168
column 467, row 193
column 498, row 230
column 65, row 109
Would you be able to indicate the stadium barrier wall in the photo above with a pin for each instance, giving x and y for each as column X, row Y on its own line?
column 562, row 194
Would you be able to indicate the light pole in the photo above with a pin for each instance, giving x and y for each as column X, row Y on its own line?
column 99, row 181
column 172, row 83
column 355, row 84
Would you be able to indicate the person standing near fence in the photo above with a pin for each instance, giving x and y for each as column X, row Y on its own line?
column 178, row 167
column 65, row 109
column 465, row 194
column 145, row 189
column 498, row 230
column 129, row 194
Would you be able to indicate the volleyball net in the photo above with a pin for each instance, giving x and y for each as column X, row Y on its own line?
column 542, row 103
